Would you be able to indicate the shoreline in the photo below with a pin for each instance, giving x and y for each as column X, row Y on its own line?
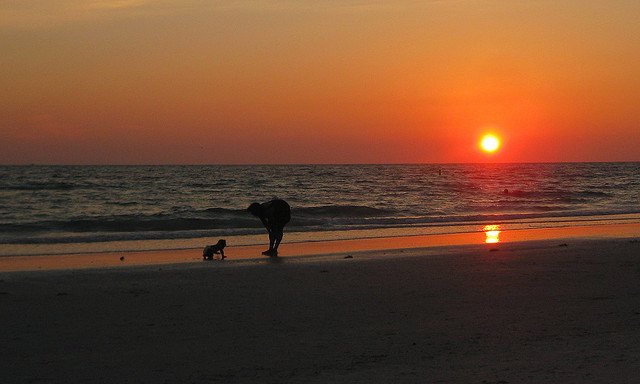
column 294, row 235
column 492, row 237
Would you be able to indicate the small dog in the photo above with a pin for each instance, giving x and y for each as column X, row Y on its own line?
column 209, row 250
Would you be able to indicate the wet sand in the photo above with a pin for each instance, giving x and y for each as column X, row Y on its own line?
column 557, row 310
column 287, row 250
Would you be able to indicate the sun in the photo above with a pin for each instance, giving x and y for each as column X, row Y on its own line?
column 489, row 143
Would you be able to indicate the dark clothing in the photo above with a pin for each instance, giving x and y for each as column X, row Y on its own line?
column 274, row 214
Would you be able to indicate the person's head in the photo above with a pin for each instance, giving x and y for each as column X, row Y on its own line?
column 255, row 209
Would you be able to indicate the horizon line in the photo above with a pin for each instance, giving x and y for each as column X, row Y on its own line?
column 300, row 164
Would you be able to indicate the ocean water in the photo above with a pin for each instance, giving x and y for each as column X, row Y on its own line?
column 62, row 209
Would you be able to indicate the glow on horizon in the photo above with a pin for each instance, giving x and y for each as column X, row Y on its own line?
column 246, row 82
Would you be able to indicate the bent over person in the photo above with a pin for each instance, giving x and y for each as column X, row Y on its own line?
column 274, row 214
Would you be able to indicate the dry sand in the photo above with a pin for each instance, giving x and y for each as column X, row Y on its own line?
column 553, row 311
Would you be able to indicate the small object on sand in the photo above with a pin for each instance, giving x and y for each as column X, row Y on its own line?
column 209, row 250
column 348, row 257
column 121, row 258
column 563, row 245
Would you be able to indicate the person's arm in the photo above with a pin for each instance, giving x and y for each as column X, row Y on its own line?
column 266, row 223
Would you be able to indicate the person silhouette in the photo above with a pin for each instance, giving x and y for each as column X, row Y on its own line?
column 274, row 214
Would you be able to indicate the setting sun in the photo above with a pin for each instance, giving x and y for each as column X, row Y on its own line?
column 489, row 143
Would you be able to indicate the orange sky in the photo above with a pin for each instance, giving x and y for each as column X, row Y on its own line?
column 195, row 81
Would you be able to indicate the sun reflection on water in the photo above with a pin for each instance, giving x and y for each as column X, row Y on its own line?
column 492, row 233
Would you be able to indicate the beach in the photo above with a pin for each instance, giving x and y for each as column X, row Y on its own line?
column 552, row 309
column 406, row 192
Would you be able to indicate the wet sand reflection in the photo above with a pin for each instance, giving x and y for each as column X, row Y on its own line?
column 492, row 233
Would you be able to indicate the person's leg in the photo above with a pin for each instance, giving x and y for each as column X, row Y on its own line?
column 278, row 238
column 272, row 240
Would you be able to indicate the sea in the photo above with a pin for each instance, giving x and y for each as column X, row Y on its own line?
column 83, row 209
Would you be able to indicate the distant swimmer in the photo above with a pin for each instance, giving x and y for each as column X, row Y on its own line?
column 274, row 214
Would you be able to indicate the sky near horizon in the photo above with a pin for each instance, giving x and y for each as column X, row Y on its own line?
column 195, row 81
